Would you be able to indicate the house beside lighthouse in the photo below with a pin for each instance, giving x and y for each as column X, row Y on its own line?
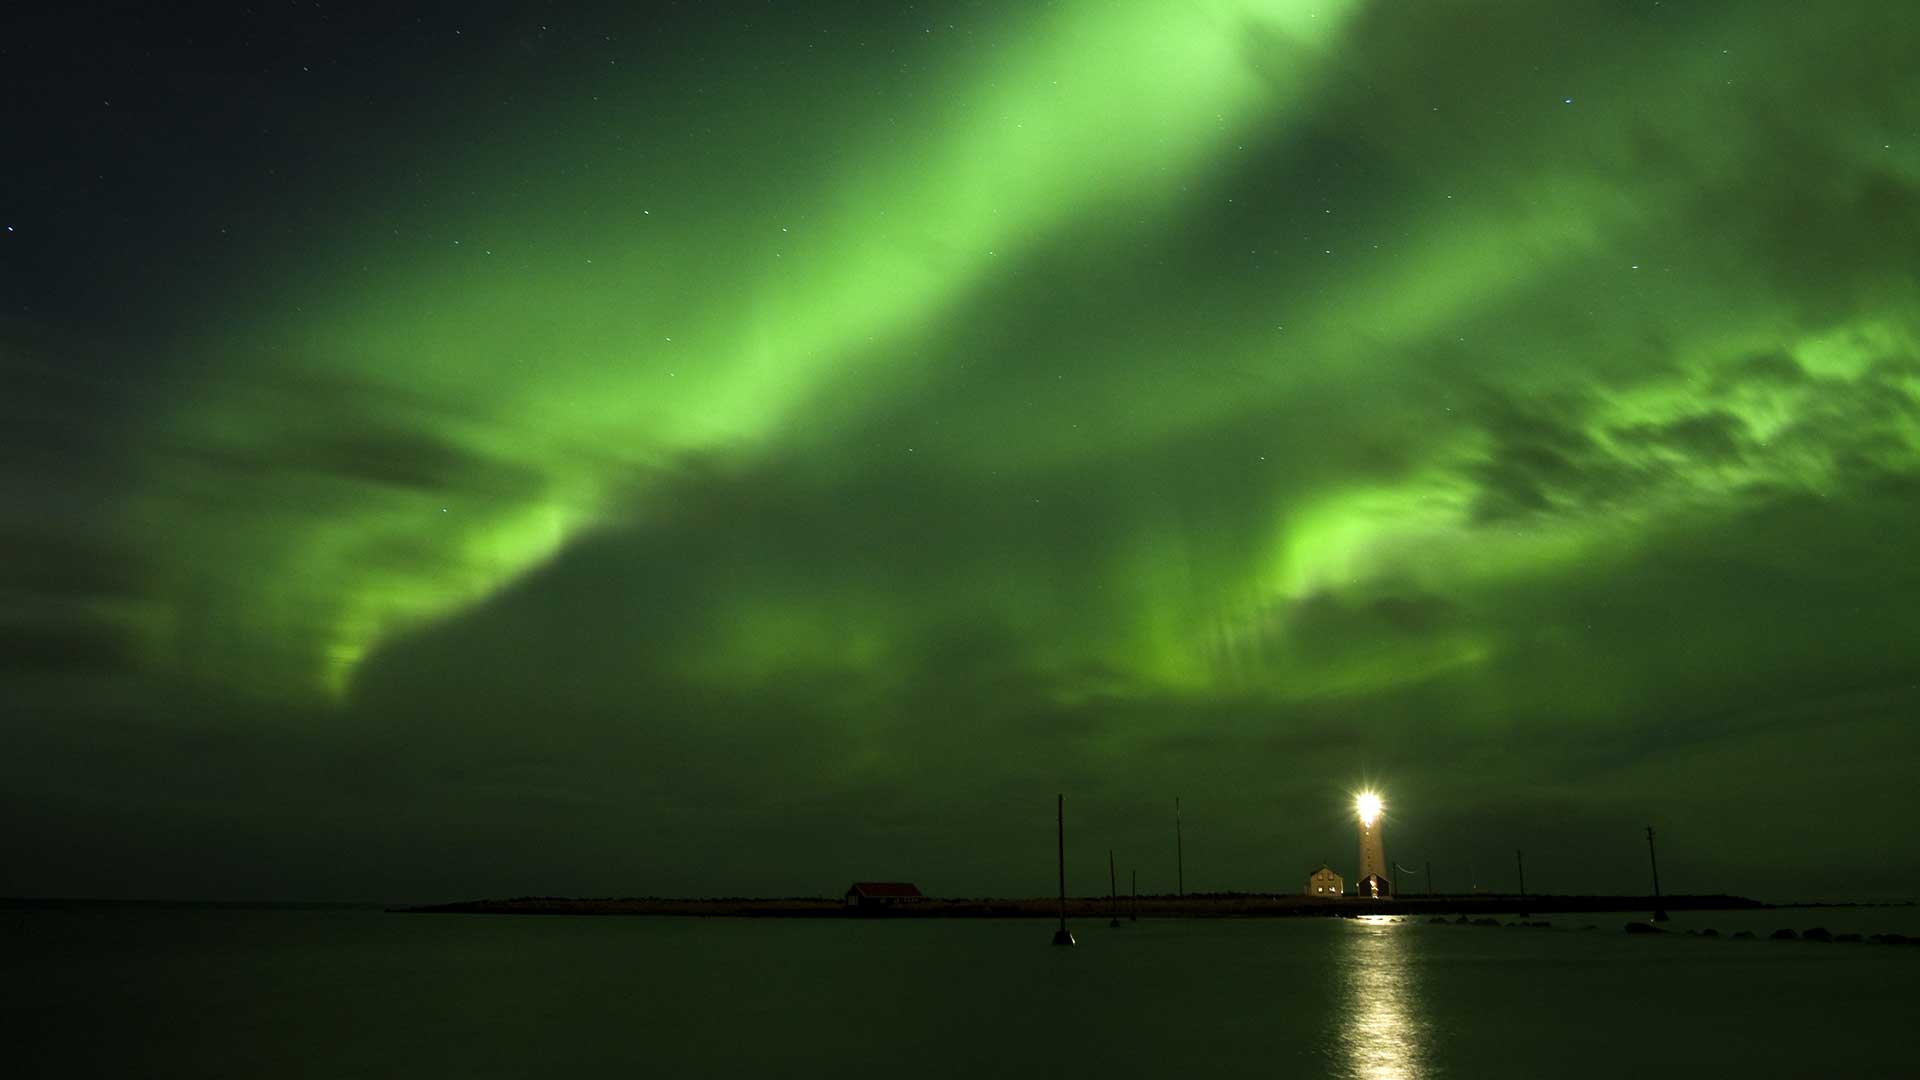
column 1324, row 882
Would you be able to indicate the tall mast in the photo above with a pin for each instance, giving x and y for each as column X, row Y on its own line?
column 1179, row 851
column 1659, row 909
column 1062, row 936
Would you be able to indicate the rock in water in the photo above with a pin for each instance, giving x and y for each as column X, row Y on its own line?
column 1818, row 933
column 1643, row 928
column 1785, row 935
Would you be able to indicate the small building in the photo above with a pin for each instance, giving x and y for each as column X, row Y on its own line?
column 880, row 895
column 1374, row 887
column 1324, row 882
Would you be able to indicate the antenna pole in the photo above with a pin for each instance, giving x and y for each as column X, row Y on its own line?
column 1060, row 823
column 1179, row 851
column 1659, row 909
column 1113, row 892
column 1654, row 861
column 1062, row 936
column 1520, row 859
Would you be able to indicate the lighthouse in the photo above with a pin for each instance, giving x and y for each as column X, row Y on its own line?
column 1372, row 883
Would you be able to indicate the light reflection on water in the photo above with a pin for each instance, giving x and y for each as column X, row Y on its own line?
column 217, row 993
column 1381, row 1033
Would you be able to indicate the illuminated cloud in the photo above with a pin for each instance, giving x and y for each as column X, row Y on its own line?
column 915, row 409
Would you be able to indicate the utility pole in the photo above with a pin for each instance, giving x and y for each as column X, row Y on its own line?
column 1520, row 859
column 1429, row 877
column 1113, row 892
column 1659, row 909
column 1133, row 912
column 1062, row 936
column 1179, row 851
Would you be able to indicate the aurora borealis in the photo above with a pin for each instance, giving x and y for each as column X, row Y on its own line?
column 739, row 448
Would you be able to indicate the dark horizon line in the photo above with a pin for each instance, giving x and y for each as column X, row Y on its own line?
column 384, row 905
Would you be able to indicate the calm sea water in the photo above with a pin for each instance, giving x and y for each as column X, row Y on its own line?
column 222, row 993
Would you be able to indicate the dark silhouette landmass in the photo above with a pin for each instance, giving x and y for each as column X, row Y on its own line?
column 1191, row 906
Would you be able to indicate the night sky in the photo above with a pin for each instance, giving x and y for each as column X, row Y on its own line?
column 739, row 448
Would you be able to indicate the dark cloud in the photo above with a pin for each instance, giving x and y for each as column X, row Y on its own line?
column 1775, row 366
column 46, row 646
column 1714, row 436
column 74, row 569
column 1541, row 461
column 387, row 455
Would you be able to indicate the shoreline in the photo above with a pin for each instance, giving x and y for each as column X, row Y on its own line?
column 1216, row 905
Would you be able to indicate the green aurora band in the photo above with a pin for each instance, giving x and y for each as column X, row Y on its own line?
column 1117, row 395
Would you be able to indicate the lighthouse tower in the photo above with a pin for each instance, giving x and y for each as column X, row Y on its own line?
column 1373, row 883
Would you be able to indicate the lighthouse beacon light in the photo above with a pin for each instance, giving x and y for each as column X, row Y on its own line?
column 1374, row 883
